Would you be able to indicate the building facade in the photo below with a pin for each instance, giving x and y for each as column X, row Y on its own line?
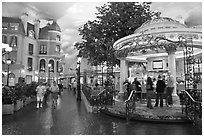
column 33, row 48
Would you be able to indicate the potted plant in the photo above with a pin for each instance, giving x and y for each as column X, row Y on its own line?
column 7, row 100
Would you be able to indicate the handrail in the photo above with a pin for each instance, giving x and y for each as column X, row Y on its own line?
column 131, row 94
column 101, row 92
column 130, row 105
column 191, row 97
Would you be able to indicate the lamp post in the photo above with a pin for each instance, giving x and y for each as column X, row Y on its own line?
column 78, row 78
column 103, row 65
column 8, row 62
column 49, row 66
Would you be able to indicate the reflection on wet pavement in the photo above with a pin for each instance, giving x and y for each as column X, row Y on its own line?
column 71, row 118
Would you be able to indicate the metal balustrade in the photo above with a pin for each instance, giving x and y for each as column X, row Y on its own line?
column 191, row 102
column 130, row 104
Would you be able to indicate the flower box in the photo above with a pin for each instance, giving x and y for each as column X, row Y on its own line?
column 27, row 100
column 33, row 99
column 18, row 105
column 7, row 109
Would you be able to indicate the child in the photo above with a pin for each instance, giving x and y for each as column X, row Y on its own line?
column 40, row 94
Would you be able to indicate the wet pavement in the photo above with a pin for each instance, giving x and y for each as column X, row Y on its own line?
column 71, row 118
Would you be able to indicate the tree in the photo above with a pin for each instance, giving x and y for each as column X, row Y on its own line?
column 113, row 21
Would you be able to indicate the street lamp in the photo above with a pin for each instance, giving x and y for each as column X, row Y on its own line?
column 8, row 62
column 49, row 67
column 78, row 78
column 103, row 65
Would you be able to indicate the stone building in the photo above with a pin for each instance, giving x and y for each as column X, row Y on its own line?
column 33, row 48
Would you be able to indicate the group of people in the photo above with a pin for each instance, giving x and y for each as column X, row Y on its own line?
column 159, row 87
column 43, row 90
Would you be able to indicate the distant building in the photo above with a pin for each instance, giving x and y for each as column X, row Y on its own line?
column 33, row 49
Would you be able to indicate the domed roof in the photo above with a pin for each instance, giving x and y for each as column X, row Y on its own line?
column 14, row 20
column 44, row 31
column 159, row 23
column 54, row 26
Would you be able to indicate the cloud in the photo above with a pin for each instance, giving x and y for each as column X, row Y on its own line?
column 194, row 18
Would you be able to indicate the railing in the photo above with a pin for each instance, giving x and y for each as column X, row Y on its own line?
column 106, row 96
column 130, row 104
column 192, row 104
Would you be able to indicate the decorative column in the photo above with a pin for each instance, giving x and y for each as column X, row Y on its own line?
column 171, row 49
column 123, row 72
column 172, row 69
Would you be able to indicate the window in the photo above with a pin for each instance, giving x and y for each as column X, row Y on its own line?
column 43, row 49
column 58, row 38
column 30, row 49
column 42, row 65
column 57, row 48
column 52, row 65
column 158, row 64
column 13, row 42
column 30, row 64
column 14, row 26
column 4, row 39
column 4, row 26
column 31, row 33
column 57, row 66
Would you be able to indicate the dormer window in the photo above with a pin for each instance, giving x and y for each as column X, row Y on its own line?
column 31, row 33
column 4, row 26
column 14, row 26
column 13, row 42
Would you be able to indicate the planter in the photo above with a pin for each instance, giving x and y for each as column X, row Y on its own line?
column 7, row 109
column 89, row 108
column 33, row 99
column 27, row 101
column 18, row 105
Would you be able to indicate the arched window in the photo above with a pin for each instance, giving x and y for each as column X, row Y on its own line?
column 42, row 65
column 4, row 39
column 52, row 65
column 58, row 38
column 13, row 42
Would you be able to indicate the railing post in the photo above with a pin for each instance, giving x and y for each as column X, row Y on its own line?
column 127, row 110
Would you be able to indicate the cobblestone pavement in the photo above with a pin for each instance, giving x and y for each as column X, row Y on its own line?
column 71, row 118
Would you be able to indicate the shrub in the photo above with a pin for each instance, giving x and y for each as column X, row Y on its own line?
column 8, row 95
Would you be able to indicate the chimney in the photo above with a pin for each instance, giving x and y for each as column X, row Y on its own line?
column 37, row 27
column 24, row 18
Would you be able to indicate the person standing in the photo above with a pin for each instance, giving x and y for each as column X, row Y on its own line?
column 55, row 91
column 150, row 92
column 74, row 86
column 40, row 94
column 138, row 88
column 60, row 88
column 160, row 91
column 126, row 86
column 170, row 88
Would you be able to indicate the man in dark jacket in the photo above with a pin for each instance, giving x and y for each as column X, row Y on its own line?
column 136, row 85
column 160, row 91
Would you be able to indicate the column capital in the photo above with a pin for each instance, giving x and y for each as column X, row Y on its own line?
column 122, row 58
column 170, row 48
